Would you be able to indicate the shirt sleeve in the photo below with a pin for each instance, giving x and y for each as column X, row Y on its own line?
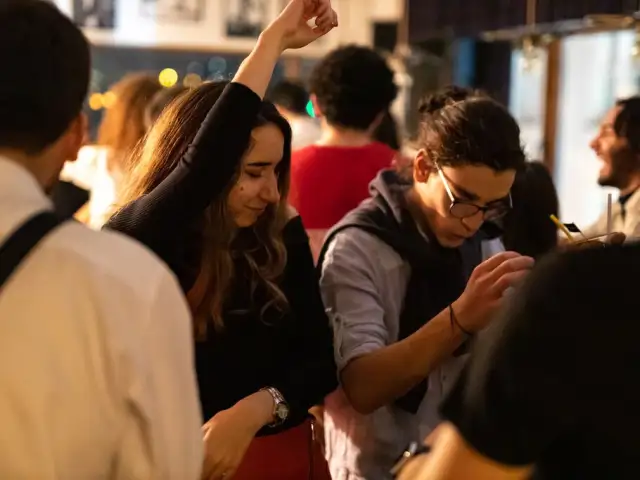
column 351, row 284
column 532, row 377
column 163, row 394
column 598, row 228
column 68, row 198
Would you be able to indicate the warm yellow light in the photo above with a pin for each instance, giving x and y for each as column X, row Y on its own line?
column 108, row 99
column 168, row 77
column 192, row 80
column 95, row 101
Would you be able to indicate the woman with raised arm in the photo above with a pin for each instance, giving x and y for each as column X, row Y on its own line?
column 209, row 197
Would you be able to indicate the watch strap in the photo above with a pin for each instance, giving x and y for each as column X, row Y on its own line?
column 278, row 403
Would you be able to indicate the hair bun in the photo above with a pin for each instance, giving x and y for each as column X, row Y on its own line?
column 444, row 97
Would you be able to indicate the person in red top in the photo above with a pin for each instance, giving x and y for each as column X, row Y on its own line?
column 351, row 90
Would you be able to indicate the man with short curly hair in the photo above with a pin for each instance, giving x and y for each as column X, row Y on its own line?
column 351, row 90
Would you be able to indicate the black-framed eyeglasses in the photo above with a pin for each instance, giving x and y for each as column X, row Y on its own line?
column 464, row 209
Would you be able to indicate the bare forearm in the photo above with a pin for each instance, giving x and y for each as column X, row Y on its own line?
column 256, row 70
column 259, row 407
column 379, row 378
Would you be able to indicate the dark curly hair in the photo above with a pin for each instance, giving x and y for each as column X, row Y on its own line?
column 460, row 126
column 290, row 95
column 353, row 85
column 627, row 122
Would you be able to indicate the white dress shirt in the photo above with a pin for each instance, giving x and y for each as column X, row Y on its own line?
column 96, row 356
column 627, row 222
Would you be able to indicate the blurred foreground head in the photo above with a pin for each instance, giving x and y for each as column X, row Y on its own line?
column 45, row 77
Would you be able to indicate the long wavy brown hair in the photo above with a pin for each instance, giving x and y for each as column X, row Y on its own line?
column 123, row 124
column 259, row 247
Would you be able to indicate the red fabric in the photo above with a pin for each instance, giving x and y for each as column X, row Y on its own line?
column 284, row 457
column 328, row 182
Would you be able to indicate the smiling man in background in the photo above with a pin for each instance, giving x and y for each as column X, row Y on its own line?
column 617, row 145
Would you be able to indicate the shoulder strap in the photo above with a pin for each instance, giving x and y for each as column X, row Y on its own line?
column 16, row 248
column 365, row 217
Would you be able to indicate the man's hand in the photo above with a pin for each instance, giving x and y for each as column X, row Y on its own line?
column 486, row 287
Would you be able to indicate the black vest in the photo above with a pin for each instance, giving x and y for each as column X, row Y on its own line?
column 438, row 275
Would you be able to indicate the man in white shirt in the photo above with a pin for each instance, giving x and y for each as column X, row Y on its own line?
column 617, row 145
column 96, row 360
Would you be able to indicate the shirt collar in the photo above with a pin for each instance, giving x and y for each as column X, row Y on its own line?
column 633, row 203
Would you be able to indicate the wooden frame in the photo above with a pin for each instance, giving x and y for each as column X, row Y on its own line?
column 552, row 94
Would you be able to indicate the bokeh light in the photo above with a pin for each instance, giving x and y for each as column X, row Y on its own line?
column 95, row 101
column 215, row 77
column 310, row 110
column 168, row 77
column 217, row 65
column 192, row 80
column 108, row 99
column 195, row 67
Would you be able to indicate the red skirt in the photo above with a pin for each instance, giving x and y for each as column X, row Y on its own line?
column 290, row 455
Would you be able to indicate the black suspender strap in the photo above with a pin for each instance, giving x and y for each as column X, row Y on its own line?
column 16, row 248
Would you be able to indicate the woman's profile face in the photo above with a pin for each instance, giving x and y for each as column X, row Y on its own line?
column 257, row 185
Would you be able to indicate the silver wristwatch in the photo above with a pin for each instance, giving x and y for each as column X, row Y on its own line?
column 280, row 407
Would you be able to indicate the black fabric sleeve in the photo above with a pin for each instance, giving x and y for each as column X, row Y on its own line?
column 538, row 371
column 68, row 198
column 313, row 373
column 206, row 168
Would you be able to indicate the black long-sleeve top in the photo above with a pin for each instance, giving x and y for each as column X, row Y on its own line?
column 68, row 198
column 291, row 351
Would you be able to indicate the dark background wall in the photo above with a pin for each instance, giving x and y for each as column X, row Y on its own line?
column 431, row 18
column 110, row 64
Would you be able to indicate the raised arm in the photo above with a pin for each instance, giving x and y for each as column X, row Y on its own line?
column 213, row 157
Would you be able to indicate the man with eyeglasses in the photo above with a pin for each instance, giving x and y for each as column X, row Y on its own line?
column 405, row 285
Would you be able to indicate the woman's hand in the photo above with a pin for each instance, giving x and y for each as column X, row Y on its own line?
column 291, row 28
column 229, row 433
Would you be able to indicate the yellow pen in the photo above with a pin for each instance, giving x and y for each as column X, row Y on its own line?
column 561, row 227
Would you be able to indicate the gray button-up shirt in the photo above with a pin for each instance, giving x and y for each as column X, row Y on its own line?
column 363, row 286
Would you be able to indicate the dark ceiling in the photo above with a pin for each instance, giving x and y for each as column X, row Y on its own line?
column 461, row 18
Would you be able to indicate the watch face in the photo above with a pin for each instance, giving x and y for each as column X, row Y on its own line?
column 282, row 411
